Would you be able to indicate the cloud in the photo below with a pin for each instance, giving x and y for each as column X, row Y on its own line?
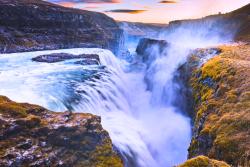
column 168, row 2
column 129, row 11
column 91, row 7
column 85, row 1
column 68, row 4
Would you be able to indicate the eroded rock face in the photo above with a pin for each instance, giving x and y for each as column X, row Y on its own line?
column 182, row 76
column 141, row 29
column 221, row 89
column 33, row 136
column 58, row 57
column 29, row 25
column 147, row 48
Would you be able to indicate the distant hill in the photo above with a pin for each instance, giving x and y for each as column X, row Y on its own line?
column 236, row 22
column 141, row 29
column 243, row 16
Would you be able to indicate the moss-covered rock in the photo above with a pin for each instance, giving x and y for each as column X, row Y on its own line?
column 33, row 136
column 222, row 122
column 203, row 161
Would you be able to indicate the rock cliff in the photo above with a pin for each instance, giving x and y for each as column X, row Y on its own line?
column 28, row 25
column 149, row 48
column 33, row 136
column 221, row 91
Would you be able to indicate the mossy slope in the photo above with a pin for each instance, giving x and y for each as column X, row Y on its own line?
column 221, row 89
column 203, row 161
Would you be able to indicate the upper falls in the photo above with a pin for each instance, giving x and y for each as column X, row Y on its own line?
column 136, row 97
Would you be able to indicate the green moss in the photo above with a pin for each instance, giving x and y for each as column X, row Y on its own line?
column 13, row 109
column 206, row 93
column 104, row 156
column 212, row 68
column 223, row 107
column 202, row 161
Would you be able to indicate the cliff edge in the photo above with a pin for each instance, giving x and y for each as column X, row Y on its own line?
column 221, row 90
column 33, row 136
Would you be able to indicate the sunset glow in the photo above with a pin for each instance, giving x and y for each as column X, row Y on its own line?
column 153, row 11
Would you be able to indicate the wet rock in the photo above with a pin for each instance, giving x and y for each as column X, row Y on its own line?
column 29, row 25
column 88, row 62
column 150, row 48
column 195, row 60
column 208, row 82
column 58, row 57
column 25, row 145
column 46, row 138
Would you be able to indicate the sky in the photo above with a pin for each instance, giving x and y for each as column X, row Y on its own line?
column 155, row 11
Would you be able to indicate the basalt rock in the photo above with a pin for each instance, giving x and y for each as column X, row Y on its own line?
column 33, row 136
column 196, row 59
column 149, row 49
column 29, row 25
column 57, row 57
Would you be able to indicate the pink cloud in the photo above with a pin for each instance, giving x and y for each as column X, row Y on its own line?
column 85, row 1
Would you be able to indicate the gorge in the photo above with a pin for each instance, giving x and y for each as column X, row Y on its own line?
column 159, row 95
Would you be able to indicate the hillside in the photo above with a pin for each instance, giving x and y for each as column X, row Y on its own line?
column 243, row 15
column 141, row 29
column 234, row 25
column 28, row 25
column 221, row 97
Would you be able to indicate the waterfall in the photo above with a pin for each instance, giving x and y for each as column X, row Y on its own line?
column 149, row 135
column 152, row 134
column 144, row 125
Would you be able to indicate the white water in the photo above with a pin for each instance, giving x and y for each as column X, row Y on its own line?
column 154, row 135
column 143, row 125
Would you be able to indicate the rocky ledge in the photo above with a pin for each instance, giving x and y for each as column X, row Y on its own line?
column 29, row 25
column 33, row 136
column 203, row 161
column 221, row 91
column 87, row 59
column 146, row 45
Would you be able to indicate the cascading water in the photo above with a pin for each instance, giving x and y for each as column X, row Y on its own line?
column 143, row 123
column 146, row 132
column 149, row 135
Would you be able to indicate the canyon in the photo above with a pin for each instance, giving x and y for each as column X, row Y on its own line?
column 163, row 93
